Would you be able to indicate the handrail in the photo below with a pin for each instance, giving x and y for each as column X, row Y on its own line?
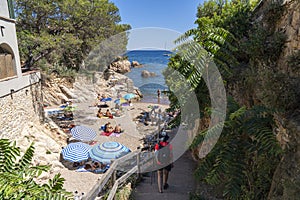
column 119, row 181
column 93, row 193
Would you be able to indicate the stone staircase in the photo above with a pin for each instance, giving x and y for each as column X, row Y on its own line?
column 181, row 182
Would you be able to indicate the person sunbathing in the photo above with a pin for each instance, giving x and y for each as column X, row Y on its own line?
column 118, row 129
column 100, row 114
column 109, row 129
column 108, row 114
column 91, row 166
column 106, row 126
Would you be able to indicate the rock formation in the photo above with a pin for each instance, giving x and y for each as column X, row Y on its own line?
column 136, row 64
column 147, row 74
column 121, row 66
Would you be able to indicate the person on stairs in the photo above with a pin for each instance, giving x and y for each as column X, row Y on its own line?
column 164, row 160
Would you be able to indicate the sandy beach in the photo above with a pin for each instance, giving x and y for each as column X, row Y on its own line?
column 85, row 114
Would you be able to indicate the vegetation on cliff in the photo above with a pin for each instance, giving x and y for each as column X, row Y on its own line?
column 246, row 51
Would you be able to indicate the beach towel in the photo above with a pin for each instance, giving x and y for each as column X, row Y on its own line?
column 103, row 117
column 111, row 134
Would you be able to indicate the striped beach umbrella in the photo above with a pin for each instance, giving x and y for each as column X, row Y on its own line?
column 108, row 151
column 76, row 152
column 83, row 133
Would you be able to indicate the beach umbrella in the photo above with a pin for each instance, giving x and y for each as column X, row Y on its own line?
column 108, row 151
column 120, row 101
column 76, row 152
column 106, row 99
column 129, row 96
column 83, row 133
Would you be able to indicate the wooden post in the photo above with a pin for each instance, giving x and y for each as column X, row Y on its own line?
column 113, row 176
column 138, row 157
column 113, row 180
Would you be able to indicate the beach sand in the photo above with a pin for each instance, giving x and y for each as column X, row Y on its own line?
column 85, row 114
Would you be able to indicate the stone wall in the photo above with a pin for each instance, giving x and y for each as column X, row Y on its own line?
column 286, row 179
column 21, row 120
column 20, row 109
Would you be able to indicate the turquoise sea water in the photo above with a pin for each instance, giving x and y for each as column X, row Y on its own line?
column 153, row 61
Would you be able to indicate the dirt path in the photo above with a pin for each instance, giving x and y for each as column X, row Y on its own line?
column 181, row 182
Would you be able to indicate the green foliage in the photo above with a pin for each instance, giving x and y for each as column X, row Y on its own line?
column 274, row 12
column 245, row 156
column 195, row 196
column 263, row 45
column 209, row 40
column 64, row 32
column 17, row 176
column 246, row 53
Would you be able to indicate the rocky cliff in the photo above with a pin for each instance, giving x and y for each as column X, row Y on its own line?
column 283, row 17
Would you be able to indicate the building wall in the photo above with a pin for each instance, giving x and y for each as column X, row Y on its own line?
column 8, row 41
column 20, row 94
column 4, row 8
column 8, row 37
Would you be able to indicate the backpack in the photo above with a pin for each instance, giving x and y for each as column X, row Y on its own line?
column 163, row 155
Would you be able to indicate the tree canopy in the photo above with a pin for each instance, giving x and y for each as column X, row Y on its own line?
column 64, row 32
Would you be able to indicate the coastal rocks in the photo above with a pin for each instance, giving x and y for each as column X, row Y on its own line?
column 147, row 74
column 136, row 64
column 108, row 73
column 120, row 66
column 67, row 92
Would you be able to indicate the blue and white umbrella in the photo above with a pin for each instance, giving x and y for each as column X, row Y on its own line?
column 83, row 133
column 108, row 151
column 129, row 96
column 106, row 99
column 76, row 152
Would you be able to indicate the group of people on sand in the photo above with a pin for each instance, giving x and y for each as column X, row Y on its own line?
column 108, row 128
column 101, row 114
column 94, row 165
column 103, row 96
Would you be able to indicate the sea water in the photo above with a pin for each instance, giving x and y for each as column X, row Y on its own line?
column 153, row 61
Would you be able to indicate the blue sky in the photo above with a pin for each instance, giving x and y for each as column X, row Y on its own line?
column 171, row 16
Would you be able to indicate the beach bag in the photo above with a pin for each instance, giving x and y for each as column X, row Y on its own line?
column 163, row 155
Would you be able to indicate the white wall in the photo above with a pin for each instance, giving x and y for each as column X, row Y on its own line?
column 19, row 83
column 4, row 9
